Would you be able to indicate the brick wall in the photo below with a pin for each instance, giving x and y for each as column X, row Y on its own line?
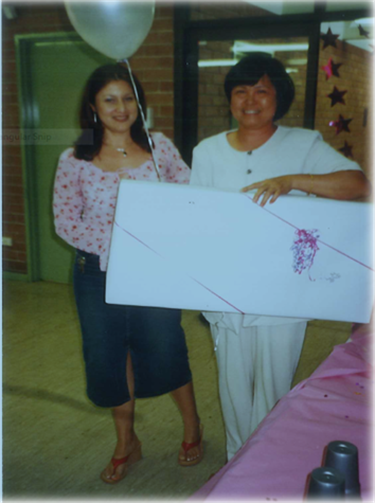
column 153, row 64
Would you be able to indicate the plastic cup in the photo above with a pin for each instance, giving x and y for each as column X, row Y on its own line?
column 344, row 457
column 326, row 483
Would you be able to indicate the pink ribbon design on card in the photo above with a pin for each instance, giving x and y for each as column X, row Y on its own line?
column 305, row 246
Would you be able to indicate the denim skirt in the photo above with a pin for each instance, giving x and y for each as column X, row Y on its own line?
column 153, row 336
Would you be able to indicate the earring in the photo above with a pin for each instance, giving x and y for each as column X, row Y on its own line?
column 95, row 118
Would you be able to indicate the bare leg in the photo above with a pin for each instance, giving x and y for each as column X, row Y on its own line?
column 185, row 400
column 123, row 416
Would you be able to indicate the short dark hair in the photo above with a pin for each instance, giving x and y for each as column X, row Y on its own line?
column 250, row 69
column 97, row 80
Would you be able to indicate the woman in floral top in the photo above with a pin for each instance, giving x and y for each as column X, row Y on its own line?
column 130, row 352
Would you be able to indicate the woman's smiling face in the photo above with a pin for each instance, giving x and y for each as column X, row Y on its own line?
column 254, row 107
column 116, row 106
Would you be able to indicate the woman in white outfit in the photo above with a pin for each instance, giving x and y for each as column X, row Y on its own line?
column 257, row 355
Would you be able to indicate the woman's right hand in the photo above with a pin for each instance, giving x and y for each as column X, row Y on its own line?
column 271, row 188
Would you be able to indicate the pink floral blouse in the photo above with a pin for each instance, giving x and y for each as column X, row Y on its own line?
column 85, row 196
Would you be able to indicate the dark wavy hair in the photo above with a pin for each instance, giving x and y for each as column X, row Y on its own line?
column 250, row 69
column 89, row 143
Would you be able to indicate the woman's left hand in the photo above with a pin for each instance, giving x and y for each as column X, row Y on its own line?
column 271, row 188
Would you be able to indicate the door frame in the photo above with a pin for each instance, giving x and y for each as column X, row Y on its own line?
column 187, row 34
column 24, row 45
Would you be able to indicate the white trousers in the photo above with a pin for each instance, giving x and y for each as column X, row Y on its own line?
column 256, row 368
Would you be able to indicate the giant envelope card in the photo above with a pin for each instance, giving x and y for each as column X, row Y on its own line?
column 188, row 247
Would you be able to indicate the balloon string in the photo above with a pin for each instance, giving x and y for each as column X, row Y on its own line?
column 143, row 118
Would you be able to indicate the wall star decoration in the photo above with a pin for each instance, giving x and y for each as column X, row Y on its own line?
column 336, row 96
column 346, row 149
column 331, row 69
column 341, row 124
column 363, row 32
column 329, row 39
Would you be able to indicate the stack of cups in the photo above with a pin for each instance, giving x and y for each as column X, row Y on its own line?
column 339, row 477
column 326, row 483
column 344, row 457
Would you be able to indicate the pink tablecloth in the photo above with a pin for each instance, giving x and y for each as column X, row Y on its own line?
column 335, row 403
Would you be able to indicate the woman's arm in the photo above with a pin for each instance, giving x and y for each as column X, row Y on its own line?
column 68, row 207
column 177, row 171
column 344, row 185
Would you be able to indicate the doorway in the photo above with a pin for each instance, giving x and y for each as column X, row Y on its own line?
column 53, row 69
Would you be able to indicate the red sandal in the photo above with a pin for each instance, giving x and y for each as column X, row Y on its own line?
column 128, row 460
column 187, row 446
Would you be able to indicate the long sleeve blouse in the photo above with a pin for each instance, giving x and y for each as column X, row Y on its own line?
column 85, row 196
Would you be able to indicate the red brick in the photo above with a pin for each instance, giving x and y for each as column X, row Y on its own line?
column 14, row 190
column 160, row 99
column 155, row 50
column 152, row 63
column 11, row 199
column 12, row 266
column 167, row 111
column 10, row 254
column 163, row 24
column 164, row 11
column 11, row 218
column 9, row 66
column 11, row 154
column 166, row 87
column 159, row 75
column 151, row 87
column 163, row 122
column 166, row 38
column 10, row 88
column 17, row 209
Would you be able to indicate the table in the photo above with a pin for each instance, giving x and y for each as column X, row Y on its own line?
column 334, row 403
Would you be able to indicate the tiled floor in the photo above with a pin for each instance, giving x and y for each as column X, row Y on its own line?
column 56, row 443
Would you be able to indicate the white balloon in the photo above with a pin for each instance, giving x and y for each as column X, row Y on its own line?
column 114, row 28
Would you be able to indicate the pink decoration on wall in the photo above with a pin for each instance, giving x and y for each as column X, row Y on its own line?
column 341, row 124
column 331, row 69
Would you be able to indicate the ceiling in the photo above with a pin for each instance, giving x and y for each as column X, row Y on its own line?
column 348, row 31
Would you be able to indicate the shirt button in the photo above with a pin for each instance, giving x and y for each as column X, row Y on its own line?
column 249, row 171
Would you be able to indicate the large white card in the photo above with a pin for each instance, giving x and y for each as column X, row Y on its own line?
column 188, row 247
